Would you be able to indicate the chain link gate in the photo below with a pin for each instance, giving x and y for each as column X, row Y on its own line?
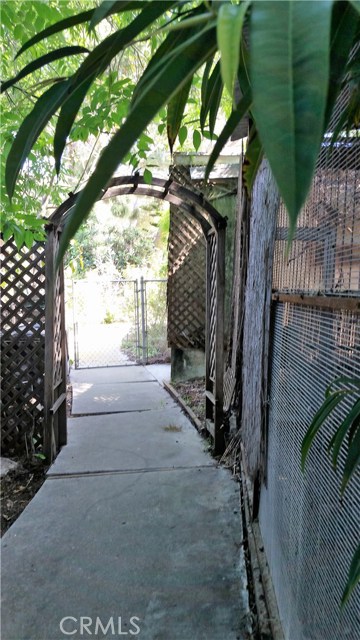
column 117, row 322
column 105, row 323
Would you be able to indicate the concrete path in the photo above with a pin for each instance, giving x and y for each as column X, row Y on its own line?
column 135, row 533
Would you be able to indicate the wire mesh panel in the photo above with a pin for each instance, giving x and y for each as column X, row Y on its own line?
column 22, row 346
column 155, row 321
column 105, row 319
column 309, row 533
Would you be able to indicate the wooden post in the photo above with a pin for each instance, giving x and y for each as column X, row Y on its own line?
column 219, row 427
column 263, row 219
column 208, row 381
column 48, row 443
column 62, row 421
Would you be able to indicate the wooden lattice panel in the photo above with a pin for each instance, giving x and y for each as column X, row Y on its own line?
column 22, row 345
column 186, row 282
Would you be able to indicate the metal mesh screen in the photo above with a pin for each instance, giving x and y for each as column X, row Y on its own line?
column 105, row 318
column 309, row 534
column 325, row 254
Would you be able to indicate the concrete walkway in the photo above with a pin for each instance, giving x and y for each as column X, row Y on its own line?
column 135, row 533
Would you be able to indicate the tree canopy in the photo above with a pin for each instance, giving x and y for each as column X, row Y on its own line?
column 291, row 60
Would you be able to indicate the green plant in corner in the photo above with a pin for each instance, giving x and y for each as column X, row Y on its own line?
column 347, row 435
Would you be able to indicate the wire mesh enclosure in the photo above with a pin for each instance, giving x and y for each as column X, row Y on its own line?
column 22, row 346
column 309, row 533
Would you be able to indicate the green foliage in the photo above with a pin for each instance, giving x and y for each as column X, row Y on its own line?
column 297, row 63
column 131, row 247
column 347, row 435
column 290, row 76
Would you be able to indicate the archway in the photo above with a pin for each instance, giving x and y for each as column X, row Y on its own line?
column 213, row 226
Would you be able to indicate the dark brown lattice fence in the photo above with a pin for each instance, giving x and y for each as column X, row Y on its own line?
column 186, row 282
column 22, row 346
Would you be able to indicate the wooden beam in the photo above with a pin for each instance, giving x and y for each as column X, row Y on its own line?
column 58, row 403
column 337, row 303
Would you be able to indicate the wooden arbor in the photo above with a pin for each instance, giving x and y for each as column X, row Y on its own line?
column 213, row 226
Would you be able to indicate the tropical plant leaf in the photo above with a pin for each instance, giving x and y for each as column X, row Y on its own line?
column 345, row 427
column 95, row 64
column 352, row 461
column 172, row 47
column 353, row 577
column 212, row 96
column 42, row 61
column 175, row 74
column 355, row 4
column 326, row 408
column 196, row 139
column 175, row 112
column 204, row 84
column 182, row 135
column 108, row 7
column 289, row 68
column 253, row 157
column 234, row 119
column 66, row 119
column 147, row 176
column 343, row 29
column 66, row 23
column 72, row 21
column 215, row 103
column 30, row 130
column 229, row 29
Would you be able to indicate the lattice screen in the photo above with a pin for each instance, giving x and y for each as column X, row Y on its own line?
column 308, row 532
column 22, row 345
column 186, row 282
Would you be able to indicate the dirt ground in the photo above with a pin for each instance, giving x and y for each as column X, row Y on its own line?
column 193, row 393
column 20, row 485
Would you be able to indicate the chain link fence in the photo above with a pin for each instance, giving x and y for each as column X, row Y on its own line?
column 116, row 322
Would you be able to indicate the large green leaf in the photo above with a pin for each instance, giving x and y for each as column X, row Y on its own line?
column 289, row 65
column 204, row 85
column 344, row 429
column 42, row 61
column 212, row 93
column 356, row 4
column 172, row 47
column 171, row 78
column 66, row 119
column 72, row 21
column 111, row 6
column 175, row 112
column 343, row 29
column 353, row 458
column 229, row 30
column 322, row 414
column 30, row 130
